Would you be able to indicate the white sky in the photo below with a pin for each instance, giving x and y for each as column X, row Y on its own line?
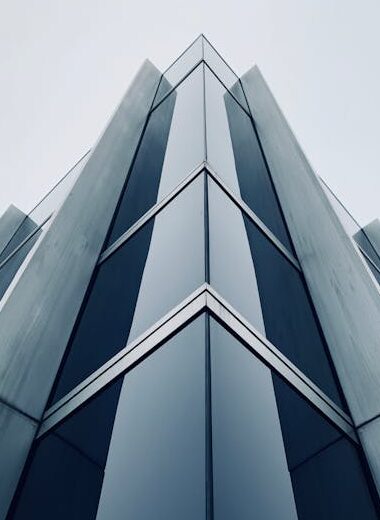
column 65, row 65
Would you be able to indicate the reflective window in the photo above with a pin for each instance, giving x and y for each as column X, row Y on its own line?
column 232, row 272
column 326, row 469
column 156, row 462
column 220, row 153
column 65, row 475
column 251, row 477
column 255, row 185
column 180, row 68
column 224, row 72
column 186, row 144
column 136, row 450
column 154, row 271
column 289, row 319
column 144, row 178
column 274, row 455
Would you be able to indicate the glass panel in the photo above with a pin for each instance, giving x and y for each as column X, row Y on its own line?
column 232, row 272
column 180, row 68
column 275, row 456
column 255, row 185
column 290, row 322
column 326, row 470
column 66, row 471
column 251, row 477
column 224, row 72
column 144, row 178
column 220, row 154
column 363, row 241
column 156, row 462
column 372, row 268
column 154, row 271
column 186, row 144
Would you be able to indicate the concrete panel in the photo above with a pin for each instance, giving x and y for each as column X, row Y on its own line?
column 345, row 296
column 38, row 314
column 10, row 221
column 19, row 432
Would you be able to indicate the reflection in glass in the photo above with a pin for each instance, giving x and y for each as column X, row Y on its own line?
column 181, row 67
column 224, row 73
column 186, row 144
column 290, row 322
column 220, row 153
column 325, row 466
column 151, row 273
column 143, row 180
column 65, row 476
column 232, row 272
column 156, row 461
column 251, row 477
column 255, row 185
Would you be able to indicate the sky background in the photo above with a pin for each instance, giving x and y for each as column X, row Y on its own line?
column 65, row 65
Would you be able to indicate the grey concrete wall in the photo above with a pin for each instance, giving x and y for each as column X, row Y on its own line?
column 38, row 314
column 345, row 296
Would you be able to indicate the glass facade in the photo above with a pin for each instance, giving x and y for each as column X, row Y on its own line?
column 197, row 383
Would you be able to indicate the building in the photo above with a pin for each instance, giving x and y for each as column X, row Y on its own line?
column 189, row 330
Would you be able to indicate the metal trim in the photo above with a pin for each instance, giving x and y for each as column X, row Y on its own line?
column 204, row 298
column 253, row 217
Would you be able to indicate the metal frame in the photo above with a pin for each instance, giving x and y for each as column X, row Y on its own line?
column 159, row 206
column 205, row 298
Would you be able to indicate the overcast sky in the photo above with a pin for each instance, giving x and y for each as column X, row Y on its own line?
column 66, row 63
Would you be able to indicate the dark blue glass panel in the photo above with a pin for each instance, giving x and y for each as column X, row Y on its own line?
column 142, row 185
column 256, row 188
column 156, row 461
column 155, row 270
column 104, row 325
column 328, row 478
column 251, row 477
column 289, row 319
column 66, row 471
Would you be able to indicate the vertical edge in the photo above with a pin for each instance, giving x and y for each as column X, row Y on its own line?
column 209, row 452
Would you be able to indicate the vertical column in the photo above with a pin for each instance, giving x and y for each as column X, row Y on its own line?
column 38, row 315
column 345, row 297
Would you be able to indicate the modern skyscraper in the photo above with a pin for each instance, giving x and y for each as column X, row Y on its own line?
column 191, row 332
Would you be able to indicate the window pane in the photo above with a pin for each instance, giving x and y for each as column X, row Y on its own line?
column 255, row 185
column 220, row 154
column 251, row 477
column 326, row 470
column 180, row 68
column 144, row 178
column 156, row 462
column 289, row 319
column 224, row 73
column 232, row 272
column 65, row 476
column 186, row 144
column 154, row 271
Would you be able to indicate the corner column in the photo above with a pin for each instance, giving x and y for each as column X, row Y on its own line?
column 345, row 296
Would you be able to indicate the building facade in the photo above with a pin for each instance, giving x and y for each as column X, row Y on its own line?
column 190, row 321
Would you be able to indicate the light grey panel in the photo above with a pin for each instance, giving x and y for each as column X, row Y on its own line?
column 9, row 223
column 38, row 315
column 19, row 432
column 345, row 296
